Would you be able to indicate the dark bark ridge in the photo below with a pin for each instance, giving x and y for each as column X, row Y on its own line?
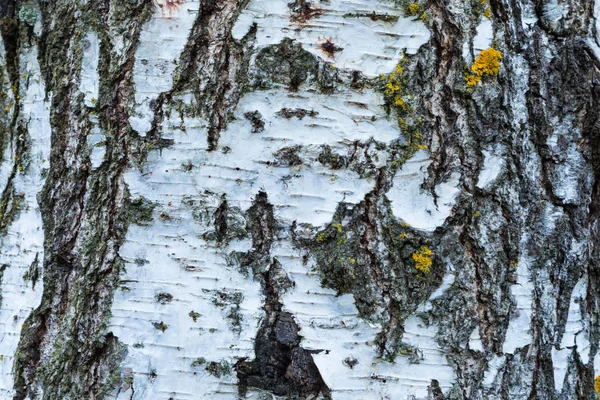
column 83, row 212
column 280, row 365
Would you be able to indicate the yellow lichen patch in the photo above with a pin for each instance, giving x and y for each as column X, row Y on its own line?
column 348, row 263
column 487, row 11
column 393, row 87
column 403, row 125
column 597, row 385
column 422, row 259
column 398, row 99
column 472, row 80
column 339, row 227
column 486, row 64
column 413, row 9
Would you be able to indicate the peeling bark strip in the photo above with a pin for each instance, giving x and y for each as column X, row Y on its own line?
column 308, row 199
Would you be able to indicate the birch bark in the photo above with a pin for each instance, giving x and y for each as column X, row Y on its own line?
column 307, row 200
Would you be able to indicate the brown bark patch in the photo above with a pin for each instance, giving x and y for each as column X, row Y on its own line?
column 303, row 11
column 169, row 7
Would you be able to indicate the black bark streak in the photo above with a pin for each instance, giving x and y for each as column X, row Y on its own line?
column 281, row 365
column 14, row 132
column 220, row 218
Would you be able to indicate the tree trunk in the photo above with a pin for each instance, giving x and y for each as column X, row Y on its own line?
column 326, row 199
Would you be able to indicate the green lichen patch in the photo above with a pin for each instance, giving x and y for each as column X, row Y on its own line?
column 299, row 113
column 229, row 301
column 140, row 210
column 397, row 89
column 198, row 362
column 10, row 204
column 331, row 159
column 161, row 326
column 222, row 222
column 414, row 354
column 164, row 298
column 218, row 369
column 28, row 15
column 337, row 258
column 365, row 251
column 480, row 8
column 287, row 157
column 33, row 273
column 255, row 118
column 194, row 315
column 286, row 63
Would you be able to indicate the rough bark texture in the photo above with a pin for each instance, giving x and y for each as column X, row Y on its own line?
column 299, row 199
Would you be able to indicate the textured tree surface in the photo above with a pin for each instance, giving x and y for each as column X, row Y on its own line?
column 277, row 199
